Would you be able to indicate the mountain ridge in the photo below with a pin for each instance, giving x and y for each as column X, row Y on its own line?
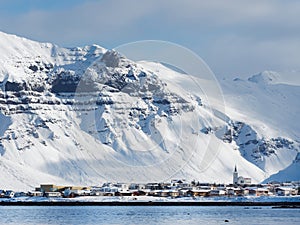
column 87, row 115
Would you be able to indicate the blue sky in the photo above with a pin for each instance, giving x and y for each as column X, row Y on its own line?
column 234, row 37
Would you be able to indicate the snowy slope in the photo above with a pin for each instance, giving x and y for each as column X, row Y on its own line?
column 88, row 115
column 265, row 96
column 291, row 172
column 270, row 104
column 260, row 121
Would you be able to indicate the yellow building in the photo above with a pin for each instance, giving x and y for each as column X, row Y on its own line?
column 55, row 188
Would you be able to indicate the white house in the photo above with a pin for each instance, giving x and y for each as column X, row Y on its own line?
column 9, row 194
column 286, row 191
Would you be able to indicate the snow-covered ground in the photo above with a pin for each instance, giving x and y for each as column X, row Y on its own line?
column 142, row 121
column 290, row 199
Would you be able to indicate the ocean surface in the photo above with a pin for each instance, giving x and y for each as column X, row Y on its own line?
column 40, row 215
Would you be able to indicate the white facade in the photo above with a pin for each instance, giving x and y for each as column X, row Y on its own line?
column 52, row 194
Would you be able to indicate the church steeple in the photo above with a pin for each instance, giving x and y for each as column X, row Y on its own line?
column 235, row 175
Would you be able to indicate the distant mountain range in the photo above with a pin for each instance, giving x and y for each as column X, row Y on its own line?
column 86, row 115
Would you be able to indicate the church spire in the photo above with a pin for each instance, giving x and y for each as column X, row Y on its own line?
column 235, row 175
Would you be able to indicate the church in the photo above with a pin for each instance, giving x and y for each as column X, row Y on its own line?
column 239, row 180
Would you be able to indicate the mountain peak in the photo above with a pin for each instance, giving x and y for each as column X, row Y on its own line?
column 265, row 77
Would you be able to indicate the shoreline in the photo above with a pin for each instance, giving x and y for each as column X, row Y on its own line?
column 150, row 203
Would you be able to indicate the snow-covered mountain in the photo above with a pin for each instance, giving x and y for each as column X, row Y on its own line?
column 88, row 115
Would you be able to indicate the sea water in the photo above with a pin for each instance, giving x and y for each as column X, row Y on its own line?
column 40, row 215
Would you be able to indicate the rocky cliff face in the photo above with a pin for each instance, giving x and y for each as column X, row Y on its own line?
column 252, row 146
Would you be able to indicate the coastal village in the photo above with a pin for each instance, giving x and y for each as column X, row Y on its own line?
column 176, row 188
